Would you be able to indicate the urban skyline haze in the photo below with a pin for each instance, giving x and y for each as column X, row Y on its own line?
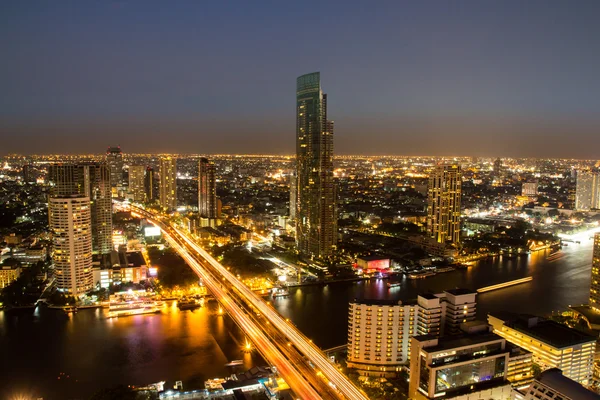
column 486, row 79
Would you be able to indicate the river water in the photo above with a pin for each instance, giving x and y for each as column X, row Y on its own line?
column 88, row 352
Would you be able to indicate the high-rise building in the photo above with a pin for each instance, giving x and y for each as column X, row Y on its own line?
column 91, row 180
column 443, row 203
column 71, row 227
column 553, row 345
column 316, row 219
column 595, row 280
column 293, row 195
column 498, row 167
column 114, row 160
column 379, row 331
column 587, row 191
column 149, row 184
column 453, row 366
column 137, row 183
column 552, row 385
column 27, row 173
column 168, row 183
column 207, row 189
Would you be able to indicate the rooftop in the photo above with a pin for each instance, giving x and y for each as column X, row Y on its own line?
column 547, row 331
column 452, row 342
column 460, row 291
column 554, row 379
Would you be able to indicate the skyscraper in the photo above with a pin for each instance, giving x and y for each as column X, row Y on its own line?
column 293, row 196
column 114, row 159
column 316, row 219
column 149, row 184
column 91, row 180
column 587, row 192
column 137, row 187
column 168, row 183
column 498, row 167
column 595, row 281
column 70, row 224
column 207, row 189
column 443, row 203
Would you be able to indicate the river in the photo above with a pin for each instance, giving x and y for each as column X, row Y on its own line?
column 87, row 351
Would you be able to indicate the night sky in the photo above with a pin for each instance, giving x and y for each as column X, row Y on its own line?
column 485, row 78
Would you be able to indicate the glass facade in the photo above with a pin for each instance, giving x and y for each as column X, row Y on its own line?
column 457, row 376
column 316, row 219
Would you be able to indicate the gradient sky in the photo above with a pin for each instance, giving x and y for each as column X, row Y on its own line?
column 486, row 78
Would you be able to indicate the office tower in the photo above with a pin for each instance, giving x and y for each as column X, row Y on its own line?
column 443, row 203
column 553, row 345
column 529, row 189
column 27, row 174
column 587, row 189
column 379, row 331
column 91, row 180
column 168, row 183
column 316, row 227
column 595, row 280
column 552, row 385
column 137, row 183
column 293, row 195
column 70, row 224
column 498, row 167
column 457, row 365
column 207, row 189
column 114, row 160
column 149, row 184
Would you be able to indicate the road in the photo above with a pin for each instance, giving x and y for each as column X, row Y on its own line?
column 202, row 262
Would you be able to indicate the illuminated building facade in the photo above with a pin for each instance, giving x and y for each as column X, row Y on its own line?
column 595, row 281
column 553, row 385
column 316, row 219
column 207, row 190
column 91, row 180
column 379, row 331
column 443, row 203
column 149, row 184
column 529, row 189
column 293, row 195
column 70, row 225
column 587, row 191
column 114, row 160
column 168, row 183
column 553, row 345
column 498, row 167
column 137, row 189
column 8, row 273
column 453, row 366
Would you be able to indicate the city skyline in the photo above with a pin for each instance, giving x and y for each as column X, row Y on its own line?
column 462, row 76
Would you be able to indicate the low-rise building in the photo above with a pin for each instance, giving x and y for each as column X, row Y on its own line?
column 553, row 385
column 459, row 367
column 8, row 274
column 553, row 345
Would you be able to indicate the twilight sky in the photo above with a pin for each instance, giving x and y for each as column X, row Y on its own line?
column 485, row 78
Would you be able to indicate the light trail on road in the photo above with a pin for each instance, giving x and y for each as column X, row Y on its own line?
column 342, row 385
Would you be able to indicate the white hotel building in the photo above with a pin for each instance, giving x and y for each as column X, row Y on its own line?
column 379, row 331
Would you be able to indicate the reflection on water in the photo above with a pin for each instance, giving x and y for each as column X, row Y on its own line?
column 563, row 280
column 94, row 352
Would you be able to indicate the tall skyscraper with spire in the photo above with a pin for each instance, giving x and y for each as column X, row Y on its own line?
column 207, row 190
column 316, row 219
